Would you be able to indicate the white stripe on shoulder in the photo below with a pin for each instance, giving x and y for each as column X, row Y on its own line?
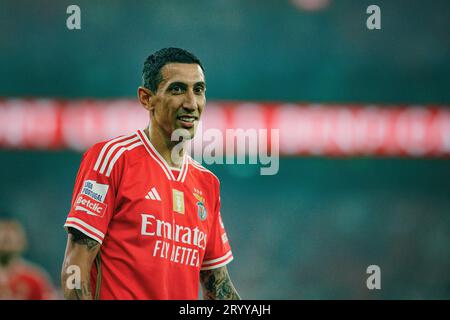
column 105, row 147
column 198, row 166
column 119, row 153
column 111, row 151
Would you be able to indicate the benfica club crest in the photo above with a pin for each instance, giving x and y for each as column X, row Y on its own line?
column 202, row 213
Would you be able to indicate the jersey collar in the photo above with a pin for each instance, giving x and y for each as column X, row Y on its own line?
column 160, row 160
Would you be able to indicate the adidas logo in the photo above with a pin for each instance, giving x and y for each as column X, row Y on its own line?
column 153, row 195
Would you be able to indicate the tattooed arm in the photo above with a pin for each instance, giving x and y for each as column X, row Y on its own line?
column 81, row 252
column 217, row 285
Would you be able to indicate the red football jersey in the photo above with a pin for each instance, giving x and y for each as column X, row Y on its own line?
column 158, row 227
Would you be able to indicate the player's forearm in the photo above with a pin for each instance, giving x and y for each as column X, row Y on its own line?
column 81, row 292
column 217, row 285
column 75, row 276
column 75, row 279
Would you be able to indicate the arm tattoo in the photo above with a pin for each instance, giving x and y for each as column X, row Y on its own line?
column 84, row 292
column 217, row 285
column 80, row 238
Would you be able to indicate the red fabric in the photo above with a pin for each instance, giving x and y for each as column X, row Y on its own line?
column 157, row 229
column 22, row 281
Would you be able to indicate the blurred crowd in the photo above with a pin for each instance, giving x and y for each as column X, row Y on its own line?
column 20, row 279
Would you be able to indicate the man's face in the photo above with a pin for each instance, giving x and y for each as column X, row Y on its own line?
column 180, row 98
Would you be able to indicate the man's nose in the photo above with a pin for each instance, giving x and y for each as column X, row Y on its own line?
column 190, row 102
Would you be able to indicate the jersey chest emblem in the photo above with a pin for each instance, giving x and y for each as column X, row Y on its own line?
column 178, row 201
column 201, row 209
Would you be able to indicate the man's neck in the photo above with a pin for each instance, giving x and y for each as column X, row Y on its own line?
column 164, row 145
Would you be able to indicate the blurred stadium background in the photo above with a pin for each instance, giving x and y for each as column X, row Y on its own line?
column 370, row 183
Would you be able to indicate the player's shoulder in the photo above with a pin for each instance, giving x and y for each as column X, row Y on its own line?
column 202, row 171
column 107, row 153
column 122, row 141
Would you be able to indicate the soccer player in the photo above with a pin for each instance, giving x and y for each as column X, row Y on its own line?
column 145, row 217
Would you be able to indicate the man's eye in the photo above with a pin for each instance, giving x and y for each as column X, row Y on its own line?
column 199, row 90
column 176, row 89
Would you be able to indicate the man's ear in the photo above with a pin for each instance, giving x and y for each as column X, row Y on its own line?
column 145, row 98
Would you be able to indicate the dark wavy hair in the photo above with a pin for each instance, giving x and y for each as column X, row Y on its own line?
column 151, row 74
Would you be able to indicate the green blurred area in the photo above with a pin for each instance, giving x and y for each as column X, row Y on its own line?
column 252, row 50
column 308, row 232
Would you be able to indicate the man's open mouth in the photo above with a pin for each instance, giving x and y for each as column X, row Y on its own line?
column 186, row 118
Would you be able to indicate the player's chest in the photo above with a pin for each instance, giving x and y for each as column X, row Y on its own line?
column 152, row 194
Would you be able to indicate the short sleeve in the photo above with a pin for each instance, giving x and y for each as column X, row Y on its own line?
column 93, row 196
column 218, row 250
